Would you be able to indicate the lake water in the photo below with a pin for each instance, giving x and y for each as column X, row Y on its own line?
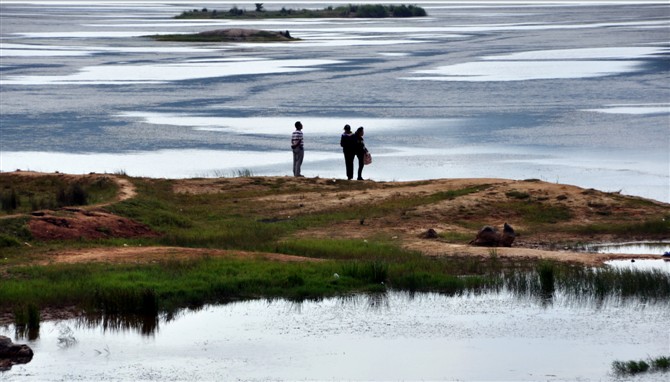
column 486, row 337
column 569, row 92
column 565, row 92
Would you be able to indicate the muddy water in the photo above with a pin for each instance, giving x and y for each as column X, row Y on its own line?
column 390, row 337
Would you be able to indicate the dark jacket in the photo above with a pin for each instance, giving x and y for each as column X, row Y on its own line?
column 349, row 143
column 360, row 146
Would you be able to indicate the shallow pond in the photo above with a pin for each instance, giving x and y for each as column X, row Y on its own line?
column 641, row 264
column 633, row 248
column 636, row 248
column 396, row 336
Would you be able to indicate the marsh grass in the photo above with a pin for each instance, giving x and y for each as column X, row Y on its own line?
column 628, row 368
column 27, row 321
column 113, row 291
column 375, row 272
column 594, row 284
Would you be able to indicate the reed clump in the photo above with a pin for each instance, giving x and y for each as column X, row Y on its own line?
column 633, row 367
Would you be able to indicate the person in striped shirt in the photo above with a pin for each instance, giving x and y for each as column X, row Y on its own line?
column 298, row 149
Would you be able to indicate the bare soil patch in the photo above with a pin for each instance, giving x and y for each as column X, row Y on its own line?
column 140, row 255
column 74, row 223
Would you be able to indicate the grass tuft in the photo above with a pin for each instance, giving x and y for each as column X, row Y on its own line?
column 629, row 368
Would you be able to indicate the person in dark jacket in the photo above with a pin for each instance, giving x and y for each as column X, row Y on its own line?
column 360, row 151
column 349, row 143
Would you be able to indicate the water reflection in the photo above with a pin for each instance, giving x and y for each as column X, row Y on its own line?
column 633, row 248
column 393, row 335
column 145, row 324
column 27, row 332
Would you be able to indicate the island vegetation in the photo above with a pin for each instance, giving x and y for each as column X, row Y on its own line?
column 345, row 11
column 228, row 35
column 110, row 245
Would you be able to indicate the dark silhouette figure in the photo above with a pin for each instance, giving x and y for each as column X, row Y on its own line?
column 360, row 151
column 348, row 141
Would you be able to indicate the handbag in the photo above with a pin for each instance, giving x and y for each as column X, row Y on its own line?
column 367, row 159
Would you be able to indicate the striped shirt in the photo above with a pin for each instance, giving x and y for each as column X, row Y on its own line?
column 296, row 139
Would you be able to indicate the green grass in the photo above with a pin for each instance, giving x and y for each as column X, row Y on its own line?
column 629, row 368
column 47, row 192
column 535, row 212
column 166, row 286
column 350, row 249
column 172, row 284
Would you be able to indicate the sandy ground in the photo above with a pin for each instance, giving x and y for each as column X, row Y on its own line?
column 299, row 196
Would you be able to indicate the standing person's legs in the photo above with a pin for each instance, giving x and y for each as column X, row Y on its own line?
column 349, row 162
column 298, row 155
column 361, row 164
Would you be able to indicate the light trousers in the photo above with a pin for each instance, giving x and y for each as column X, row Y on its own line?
column 298, row 155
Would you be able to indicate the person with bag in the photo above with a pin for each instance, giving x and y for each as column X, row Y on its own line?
column 362, row 153
column 298, row 149
column 348, row 142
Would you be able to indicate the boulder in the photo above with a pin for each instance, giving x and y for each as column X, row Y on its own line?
column 489, row 236
column 12, row 354
column 430, row 234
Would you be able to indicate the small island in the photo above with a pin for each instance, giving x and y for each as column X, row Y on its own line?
column 228, row 35
column 347, row 11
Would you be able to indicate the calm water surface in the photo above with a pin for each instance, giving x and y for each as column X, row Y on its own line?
column 390, row 337
column 564, row 92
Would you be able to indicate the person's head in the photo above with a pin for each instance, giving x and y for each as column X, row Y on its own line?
column 298, row 125
column 347, row 129
column 359, row 131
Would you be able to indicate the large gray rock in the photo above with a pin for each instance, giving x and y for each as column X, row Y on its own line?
column 12, row 354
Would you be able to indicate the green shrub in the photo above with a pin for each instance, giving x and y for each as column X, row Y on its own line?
column 72, row 195
column 10, row 200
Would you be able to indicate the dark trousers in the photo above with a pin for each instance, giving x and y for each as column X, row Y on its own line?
column 349, row 162
column 361, row 164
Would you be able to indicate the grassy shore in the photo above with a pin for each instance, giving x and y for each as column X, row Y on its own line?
column 243, row 226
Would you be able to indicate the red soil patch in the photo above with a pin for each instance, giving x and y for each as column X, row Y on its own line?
column 74, row 223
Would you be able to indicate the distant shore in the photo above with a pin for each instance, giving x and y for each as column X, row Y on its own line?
column 348, row 11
